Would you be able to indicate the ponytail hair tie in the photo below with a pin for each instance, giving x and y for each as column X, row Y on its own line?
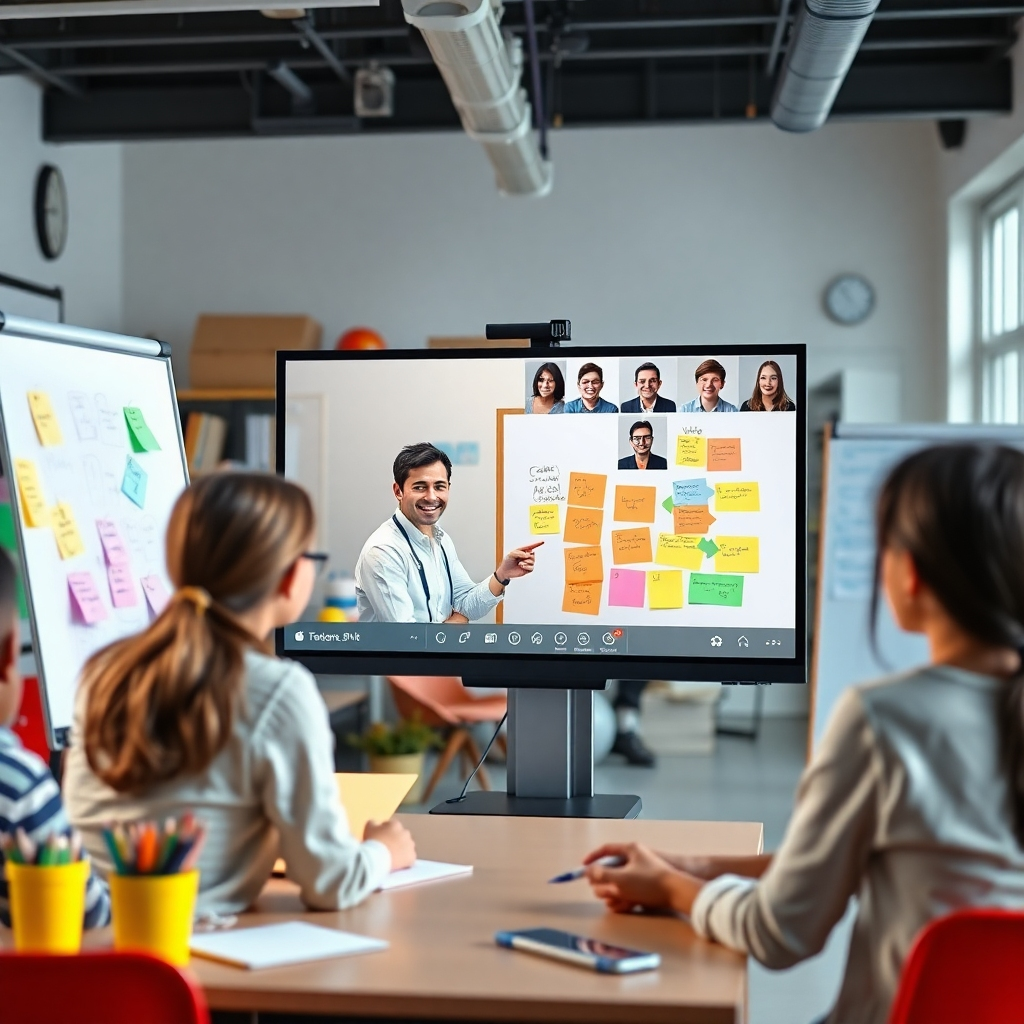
column 197, row 596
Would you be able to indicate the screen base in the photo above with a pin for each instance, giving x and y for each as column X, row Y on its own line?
column 504, row 804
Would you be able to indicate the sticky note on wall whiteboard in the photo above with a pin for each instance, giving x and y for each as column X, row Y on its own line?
column 691, row 519
column 665, row 589
column 582, row 598
column 82, row 416
column 583, row 565
column 33, row 505
column 631, row 546
column 65, row 529
column 156, row 594
column 544, row 519
column 583, row 525
column 743, row 497
column 122, row 586
column 44, row 418
column 737, row 554
column 113, row 547
column 691, row 451
column 691, row 492
column 134, row 483
column 726, row 591
column 138, row 430
column 635, row 504
column 679, row 549
column 626, row 588
column 724, row 455
column 86, row 604
column 587, row 489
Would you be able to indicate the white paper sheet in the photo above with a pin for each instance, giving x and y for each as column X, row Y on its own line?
column 424, row 871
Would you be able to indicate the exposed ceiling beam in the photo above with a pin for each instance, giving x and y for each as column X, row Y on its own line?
column 305, row 28
column 778, row 36
column 201, row 38
column 26, row 65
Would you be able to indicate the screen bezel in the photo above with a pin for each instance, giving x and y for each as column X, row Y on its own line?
column 574, row 670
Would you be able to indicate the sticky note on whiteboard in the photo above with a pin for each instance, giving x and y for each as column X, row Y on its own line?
column 138, row 430
column 86, row 603
column 33, row 504
column 691, row 492
column 665, row 589
column 65, row 529
column 156, row 594
column 631, row 546
column 544, row 519
column 583, row 565
column 691, row 451
column 113, row 547
column 724, row 455
column 44, row 418
column 635, row 504
column 587, row 489
column 122, row 586
column 582, row 598
column 726, row 591
column 691, row 519
column 679, row 549
column 737, row 554
column 134, row 483
column 583, row 525
column 745, row 497
column 626, row 588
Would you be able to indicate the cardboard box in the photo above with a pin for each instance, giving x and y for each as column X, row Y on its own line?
column 240, row 351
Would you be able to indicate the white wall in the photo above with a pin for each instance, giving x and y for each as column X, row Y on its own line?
column 90, row 268
column 692, row 234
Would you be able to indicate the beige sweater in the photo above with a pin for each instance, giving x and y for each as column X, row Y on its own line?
column 904, row 806
column 270, row 791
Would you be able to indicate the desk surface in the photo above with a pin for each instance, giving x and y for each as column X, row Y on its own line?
column 444, row 964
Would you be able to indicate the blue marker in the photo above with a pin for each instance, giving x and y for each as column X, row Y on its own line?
column 573, row 876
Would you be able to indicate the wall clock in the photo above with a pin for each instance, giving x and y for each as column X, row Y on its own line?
column 849, row 299
column 51, row 211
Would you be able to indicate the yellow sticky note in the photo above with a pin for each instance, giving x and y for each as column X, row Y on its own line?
column 681, row 549
column 691, row 451
column 665, row 589
column 587, row 489
column 43, row 416
column 744, row 497
column 544, row 519
column 371, row 797
column 631, row 546
column 583, row 565
column 635, row 504
column 582, row 598
column 65, row 529
column 737, row 554
column 583, row 525
column 33, row 505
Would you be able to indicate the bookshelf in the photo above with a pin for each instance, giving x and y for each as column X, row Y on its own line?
column 234, row 406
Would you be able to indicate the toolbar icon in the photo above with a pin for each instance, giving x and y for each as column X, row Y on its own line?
column 300, row 636
column 583, row 639
column 561, row 639
column 537, row 638
column 490, row 638
column 716, row 641
column 608, row 639
column 463, row 638
column 514, row 638
column 440, row 637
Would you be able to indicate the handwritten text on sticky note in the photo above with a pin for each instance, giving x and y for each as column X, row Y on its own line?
column 44, row 418
column 134, row 483
column 726, row 591
column 691, row 451
column 122, row 586
column 679, row 549
column 626, row 588
column 743, row 497
column 138, row 430
column 583, row 565
column 635, row 504
column 587, row 489
column 631, row 546
column 544, row 519
column 691, row 519
column 582, row 598
column 156, row 593
column 65, row 529
column 33, row 504
column 665, row 589
column 583, row 525
column 86, row 603
column 724, row 455
column 737, row 554
column 691, row 492
column 113, row 547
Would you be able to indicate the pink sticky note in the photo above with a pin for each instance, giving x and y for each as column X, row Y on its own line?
column 113, row 546
column 86, row 603
column 626, row 588
column 156, row 595
column 122, row 586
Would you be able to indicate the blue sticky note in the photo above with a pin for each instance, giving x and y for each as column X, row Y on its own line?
column 134, row 483
column 691, row 492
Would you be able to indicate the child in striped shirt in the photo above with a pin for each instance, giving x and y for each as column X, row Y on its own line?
column 29, row 797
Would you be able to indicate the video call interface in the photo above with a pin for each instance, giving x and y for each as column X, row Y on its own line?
column 638, row 505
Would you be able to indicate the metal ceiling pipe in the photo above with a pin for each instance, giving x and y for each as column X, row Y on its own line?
column 482, row 68
column 824, row 42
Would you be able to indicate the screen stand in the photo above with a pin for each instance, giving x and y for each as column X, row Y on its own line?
column 550, row 762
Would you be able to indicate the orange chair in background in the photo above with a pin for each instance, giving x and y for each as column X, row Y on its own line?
column 444, row 703
column 968, row 966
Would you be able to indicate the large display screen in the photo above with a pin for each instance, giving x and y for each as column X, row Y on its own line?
column 645, row 506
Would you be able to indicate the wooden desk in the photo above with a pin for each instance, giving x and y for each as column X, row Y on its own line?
column 444, row 964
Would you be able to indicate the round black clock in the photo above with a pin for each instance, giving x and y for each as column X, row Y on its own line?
column 51, row 211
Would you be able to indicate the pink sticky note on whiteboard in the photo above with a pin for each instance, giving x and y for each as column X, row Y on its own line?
column 156, row 594
column 113, row 546
column 122, row 586
column 86, row 604
column 626, row 588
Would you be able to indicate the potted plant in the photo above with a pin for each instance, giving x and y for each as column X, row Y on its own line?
column 399, row 749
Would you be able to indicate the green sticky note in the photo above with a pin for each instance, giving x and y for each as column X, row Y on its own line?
column 708, row 546
column 706, row 588
column 667, row 504
column 10, row 543
column 138, row 430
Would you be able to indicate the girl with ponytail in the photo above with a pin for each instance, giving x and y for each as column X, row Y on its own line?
column 914, row 799
column 195, row 714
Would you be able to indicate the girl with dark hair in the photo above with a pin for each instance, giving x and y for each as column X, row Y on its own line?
column 914, row 800
column 195, row 714
column 548, row 390
column 769, row 391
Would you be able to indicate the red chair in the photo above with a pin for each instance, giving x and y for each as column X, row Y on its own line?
column 96, row 988
column 444, row 703
column 967, row 967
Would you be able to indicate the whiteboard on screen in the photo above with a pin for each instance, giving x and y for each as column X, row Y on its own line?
column 74, row 446
column 859, row 457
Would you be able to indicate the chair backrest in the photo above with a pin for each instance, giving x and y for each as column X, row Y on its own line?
column 96, row 988
column 429, row 696
column 968, row 966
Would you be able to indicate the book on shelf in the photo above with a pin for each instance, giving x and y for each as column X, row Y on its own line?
column 259, row 442
column 205, row 435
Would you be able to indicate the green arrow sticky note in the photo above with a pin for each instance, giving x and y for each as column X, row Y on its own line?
column 708, row 546
column 142, row 437
column 706, row 588
column 667, row 504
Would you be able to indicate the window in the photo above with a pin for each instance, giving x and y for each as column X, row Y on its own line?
column 1002, row 310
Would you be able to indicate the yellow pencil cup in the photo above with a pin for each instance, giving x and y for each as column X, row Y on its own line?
column 153, row 913
column 47, row 906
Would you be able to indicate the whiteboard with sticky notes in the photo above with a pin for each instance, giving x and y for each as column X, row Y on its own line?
column 93, row 453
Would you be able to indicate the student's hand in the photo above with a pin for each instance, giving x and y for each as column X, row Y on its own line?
column 519, row 562
column 457, row 618
column 646, row 880
column 397, row 838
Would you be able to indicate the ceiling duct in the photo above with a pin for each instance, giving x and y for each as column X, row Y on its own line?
column 825, row 39
column 482, row 68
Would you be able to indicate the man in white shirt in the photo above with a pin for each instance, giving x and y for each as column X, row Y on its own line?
column 408, row 570
column 710, row 378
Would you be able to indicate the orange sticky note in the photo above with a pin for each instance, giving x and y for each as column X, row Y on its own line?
column 583, row 565
column 691, row 519
column 635, row 504
column 582, row 598
column 583, row 525
column 587, row 489
column 724, row 455
column 631, row 546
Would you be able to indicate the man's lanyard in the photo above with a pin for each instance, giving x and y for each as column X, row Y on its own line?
column 423, row 574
